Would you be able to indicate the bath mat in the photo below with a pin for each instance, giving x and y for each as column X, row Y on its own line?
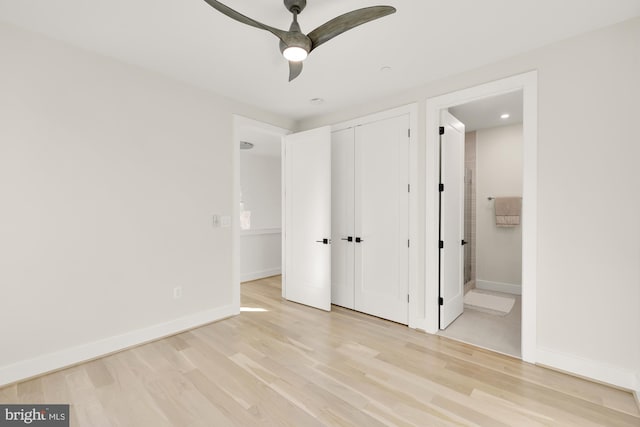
column 490, row 303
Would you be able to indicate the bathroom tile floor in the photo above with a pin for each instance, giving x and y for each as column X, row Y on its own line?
column 490, row 331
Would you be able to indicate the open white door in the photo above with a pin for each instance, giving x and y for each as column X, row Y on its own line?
column 451, row 219
column 307, row 218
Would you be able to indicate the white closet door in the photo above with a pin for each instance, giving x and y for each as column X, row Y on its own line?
column 382, row 218
column 451, row 219
column 342, row 218
column 307, row 218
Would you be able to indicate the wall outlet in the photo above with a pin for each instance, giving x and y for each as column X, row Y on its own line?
column 177, row 292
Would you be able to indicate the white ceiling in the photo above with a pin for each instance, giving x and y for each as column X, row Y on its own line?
column 425, row 40
column 485, row 113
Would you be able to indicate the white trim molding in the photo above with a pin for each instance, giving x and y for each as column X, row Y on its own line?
column 528, row 83
column 260, row 231
column 255, row 275
column 587, row 368
column 507, row 288
column 46, row 363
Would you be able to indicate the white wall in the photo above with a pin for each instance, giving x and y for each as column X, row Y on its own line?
column 498, row 174
column 261, row 246
column 588, row 274
column 261, row 189
column 109, row 177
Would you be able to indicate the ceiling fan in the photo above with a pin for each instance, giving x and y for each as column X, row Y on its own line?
column 294, row 44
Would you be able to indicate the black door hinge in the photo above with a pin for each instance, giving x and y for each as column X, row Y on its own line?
column 441, row 130
column 409, row 188
column 441, row 188
column 408, row 243
column 441, row 244
column 407, row 297
column 440, row 301
column 409, row 133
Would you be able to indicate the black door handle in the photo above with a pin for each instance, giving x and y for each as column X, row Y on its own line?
column 359, row 240
column 464, row 242
column 324, row 241
column 348, row 239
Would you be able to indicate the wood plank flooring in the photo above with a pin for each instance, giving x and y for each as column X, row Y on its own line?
column 284, row 364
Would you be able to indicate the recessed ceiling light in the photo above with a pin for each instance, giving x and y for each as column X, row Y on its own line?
column 505, row 116
column 385, row 69
column 316, row 101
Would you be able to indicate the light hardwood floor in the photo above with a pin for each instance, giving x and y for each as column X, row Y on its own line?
column 283, row 364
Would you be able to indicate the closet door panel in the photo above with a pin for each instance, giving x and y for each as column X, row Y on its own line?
column 382, row 218
column 342, row 218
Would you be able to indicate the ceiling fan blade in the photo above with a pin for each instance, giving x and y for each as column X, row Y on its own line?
column 295, row 68
column 345, row 22
column 282, row 35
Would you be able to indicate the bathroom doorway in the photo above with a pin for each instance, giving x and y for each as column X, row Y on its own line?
column 469, row 182
column 491, row 175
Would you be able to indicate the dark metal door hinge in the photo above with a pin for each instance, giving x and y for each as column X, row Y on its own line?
column 440, row 301
column 441, row 244
column 441, row 130
column 441, row 188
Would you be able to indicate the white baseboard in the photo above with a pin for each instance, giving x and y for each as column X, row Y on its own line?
column 255, row 275
column 588, row 368
column 507, row 288
column 70, row 356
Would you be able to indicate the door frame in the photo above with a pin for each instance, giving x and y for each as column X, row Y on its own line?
column 238, row 123
column 528, row 83
column 416, row 303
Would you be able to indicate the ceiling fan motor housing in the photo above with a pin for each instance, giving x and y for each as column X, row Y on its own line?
column 295, row 38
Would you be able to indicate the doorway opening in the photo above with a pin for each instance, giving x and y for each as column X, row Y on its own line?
column 489, row 170
column 257, row 201
column 436, row 308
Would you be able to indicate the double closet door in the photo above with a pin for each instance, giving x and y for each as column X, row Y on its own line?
column 370, row 218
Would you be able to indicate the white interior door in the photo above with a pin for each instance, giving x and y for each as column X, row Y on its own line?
column 382, row 218
column 451, row 219
column 307, row 218
column 342, row 218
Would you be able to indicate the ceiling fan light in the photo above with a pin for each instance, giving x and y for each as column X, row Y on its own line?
column 295, row 54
